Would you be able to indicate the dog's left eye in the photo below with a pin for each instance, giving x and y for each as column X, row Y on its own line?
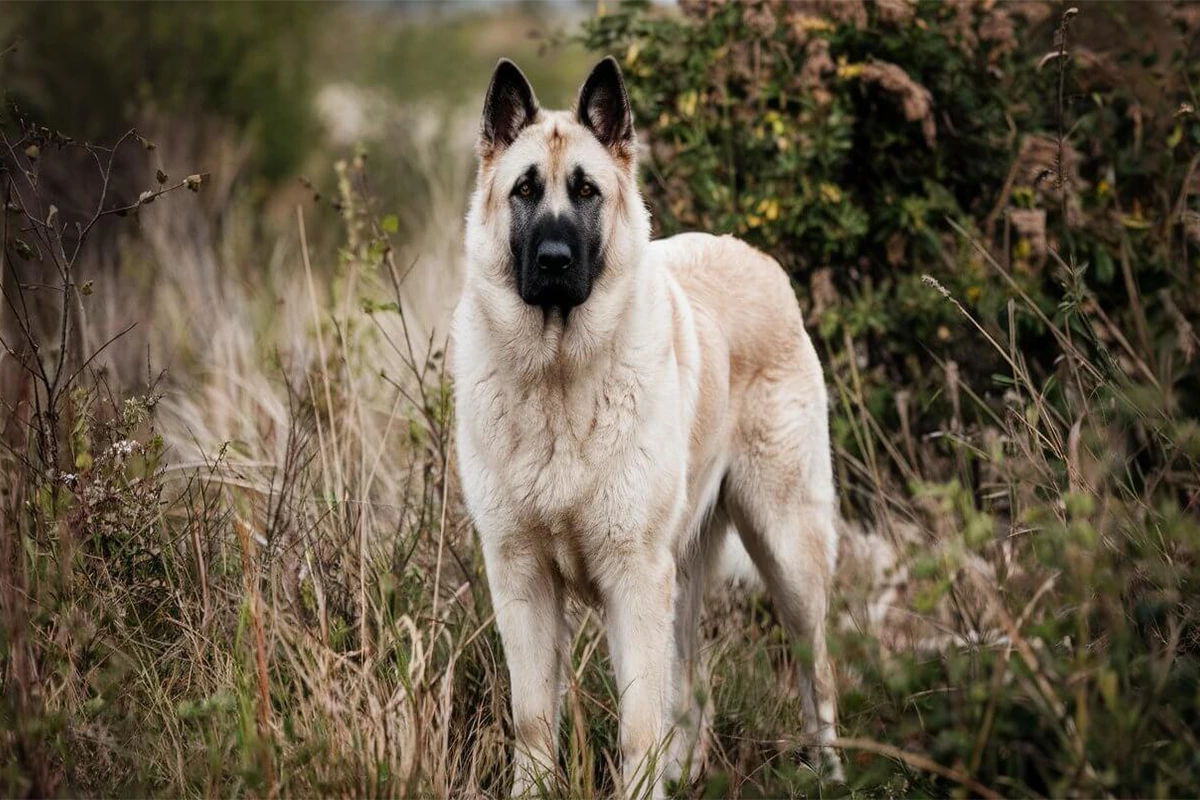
column 586, row 190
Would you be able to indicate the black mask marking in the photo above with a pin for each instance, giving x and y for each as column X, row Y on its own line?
column 556, row 257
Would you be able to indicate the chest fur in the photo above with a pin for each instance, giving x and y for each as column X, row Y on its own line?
column 556, row 443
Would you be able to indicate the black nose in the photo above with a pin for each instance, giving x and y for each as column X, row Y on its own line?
column 553, row 255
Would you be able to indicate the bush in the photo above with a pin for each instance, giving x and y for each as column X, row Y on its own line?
column 844, row 137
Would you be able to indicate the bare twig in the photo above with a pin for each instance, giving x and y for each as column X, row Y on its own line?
column 917, row 761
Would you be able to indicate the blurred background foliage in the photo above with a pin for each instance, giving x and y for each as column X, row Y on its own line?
column 991, row 212
column 91, row 68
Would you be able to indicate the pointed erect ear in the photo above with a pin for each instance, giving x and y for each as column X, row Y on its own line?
column 509, row 107
column 604, row 107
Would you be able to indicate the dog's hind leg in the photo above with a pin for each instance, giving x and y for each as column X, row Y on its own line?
column 780, row 496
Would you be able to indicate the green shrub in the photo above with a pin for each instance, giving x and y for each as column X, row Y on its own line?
column 841, row 137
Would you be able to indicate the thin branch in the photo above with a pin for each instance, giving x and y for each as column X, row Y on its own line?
column 917, row 761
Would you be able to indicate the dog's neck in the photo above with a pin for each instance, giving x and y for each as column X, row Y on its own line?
column 532, row 343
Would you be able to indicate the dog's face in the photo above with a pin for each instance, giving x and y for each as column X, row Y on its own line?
column 555, row 180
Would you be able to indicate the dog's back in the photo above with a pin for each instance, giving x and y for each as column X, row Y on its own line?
column 776, row 387
column 747, row 299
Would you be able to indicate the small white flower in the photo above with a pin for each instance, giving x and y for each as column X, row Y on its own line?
column 125, row 448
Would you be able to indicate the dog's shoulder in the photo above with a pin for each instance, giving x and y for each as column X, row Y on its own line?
column 745, row 290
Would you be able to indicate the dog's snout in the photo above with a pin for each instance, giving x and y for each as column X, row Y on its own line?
column 553, row 255
column 554, row 260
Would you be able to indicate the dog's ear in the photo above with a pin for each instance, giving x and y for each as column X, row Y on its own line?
column 604, row 107
column 509, row 107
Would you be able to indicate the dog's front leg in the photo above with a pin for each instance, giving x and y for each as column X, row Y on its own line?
column 528, row 598
column 639, row 610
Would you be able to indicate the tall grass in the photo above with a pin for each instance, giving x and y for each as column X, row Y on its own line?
column 252, row 574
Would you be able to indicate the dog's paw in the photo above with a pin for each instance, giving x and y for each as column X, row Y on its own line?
column 828, row 765
column 687, row 754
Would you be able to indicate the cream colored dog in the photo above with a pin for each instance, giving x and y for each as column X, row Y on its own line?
column 622, row 405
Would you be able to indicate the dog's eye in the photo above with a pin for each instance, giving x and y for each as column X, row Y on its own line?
column 525, row 188
column 586, row 190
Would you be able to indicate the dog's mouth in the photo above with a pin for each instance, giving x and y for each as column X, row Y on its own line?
column 559, row 293
column 555, row 314
column 558, row 296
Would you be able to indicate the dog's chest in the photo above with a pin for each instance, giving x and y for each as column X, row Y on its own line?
column 566, row 453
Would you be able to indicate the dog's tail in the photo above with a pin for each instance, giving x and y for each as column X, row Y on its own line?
column 736, row 569
column 734, row 566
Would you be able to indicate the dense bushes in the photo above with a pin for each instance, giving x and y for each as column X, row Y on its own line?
column 841, row 137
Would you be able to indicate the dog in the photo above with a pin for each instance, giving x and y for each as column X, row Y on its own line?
column 623, row 405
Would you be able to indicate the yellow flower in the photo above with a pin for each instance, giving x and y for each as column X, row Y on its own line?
column 687, row 103
column 1103, row 187
column 632, row 55
column 810, row 23
column 974, row 293
column 753, row 221
column 769, row 208
column 831, row 193
column 847, row 70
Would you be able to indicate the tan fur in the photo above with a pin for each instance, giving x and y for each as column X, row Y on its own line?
column 609, row 457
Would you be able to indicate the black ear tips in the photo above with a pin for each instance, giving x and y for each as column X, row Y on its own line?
column 610, row 65
column 506, row 68
column 604, row 105
column 509, row 107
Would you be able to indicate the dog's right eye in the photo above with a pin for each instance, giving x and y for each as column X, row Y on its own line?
column 525, row 188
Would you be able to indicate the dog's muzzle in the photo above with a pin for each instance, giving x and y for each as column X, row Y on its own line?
column 554, row 270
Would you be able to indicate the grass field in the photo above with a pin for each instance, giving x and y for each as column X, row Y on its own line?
column 234, row 560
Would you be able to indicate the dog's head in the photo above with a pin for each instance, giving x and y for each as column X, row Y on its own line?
column 556, row 188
